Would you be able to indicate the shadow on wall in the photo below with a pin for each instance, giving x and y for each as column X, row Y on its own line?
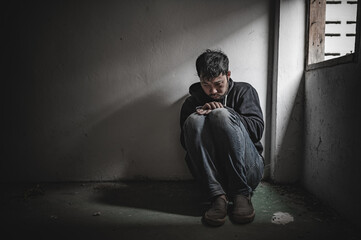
column 291, row 149
column 97, row 88
column 137, row 140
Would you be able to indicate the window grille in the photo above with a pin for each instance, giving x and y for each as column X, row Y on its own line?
column 340, row 28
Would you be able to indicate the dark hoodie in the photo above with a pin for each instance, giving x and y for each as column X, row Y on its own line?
column 241, row 97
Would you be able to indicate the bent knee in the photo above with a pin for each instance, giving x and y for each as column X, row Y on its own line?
column 194, row 121
column 219, row 114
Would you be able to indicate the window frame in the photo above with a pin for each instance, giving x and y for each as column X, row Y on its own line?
column 349, row 58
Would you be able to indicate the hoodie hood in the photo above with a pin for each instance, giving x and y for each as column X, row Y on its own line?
column 197, row 92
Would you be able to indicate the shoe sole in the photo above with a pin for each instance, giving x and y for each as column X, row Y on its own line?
column 214, row 222
column 243, row 219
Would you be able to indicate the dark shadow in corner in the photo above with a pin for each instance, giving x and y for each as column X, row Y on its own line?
column 175, row 197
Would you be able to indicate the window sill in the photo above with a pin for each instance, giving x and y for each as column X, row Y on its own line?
column 332, row 62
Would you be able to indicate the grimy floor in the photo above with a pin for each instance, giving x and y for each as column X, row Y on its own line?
column 158, row 210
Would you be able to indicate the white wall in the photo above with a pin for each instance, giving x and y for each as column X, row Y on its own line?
column 287, row 118
column 96, row 86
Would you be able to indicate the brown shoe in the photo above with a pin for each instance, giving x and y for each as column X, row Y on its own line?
column 242, row 211
column 216, row 215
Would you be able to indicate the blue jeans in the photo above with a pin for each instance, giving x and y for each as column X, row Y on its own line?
column 220, row 154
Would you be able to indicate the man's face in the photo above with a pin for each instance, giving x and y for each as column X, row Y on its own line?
column 217, row 87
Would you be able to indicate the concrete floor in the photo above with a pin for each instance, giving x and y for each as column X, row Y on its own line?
column 157, row 210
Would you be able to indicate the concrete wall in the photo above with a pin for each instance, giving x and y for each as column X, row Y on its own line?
column 288, row 79
column 332, row 144
column 95, row 87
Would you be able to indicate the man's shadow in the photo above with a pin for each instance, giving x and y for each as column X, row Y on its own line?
column 175, row 197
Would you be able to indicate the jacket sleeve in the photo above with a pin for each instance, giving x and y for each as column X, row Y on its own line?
column 188, row 107
column 251, row 114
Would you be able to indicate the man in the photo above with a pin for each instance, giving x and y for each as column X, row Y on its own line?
column 221, row 128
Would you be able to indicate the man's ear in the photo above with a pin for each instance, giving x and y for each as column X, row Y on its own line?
column 229, row 74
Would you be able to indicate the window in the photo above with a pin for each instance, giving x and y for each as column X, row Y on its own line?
column 332, row 30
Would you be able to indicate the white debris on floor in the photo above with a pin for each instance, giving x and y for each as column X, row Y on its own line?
column 282, row 218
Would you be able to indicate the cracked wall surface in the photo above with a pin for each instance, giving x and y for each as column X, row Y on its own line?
column 332, row 167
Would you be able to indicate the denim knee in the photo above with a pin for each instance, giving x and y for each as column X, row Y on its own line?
column 194, row 122
column 219, row 116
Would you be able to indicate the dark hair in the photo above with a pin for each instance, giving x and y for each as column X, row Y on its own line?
column 211, row 64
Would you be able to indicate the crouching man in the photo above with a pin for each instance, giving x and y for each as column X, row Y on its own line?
column 221, row 128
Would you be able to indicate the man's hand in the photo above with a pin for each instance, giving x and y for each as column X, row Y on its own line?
column 208, row 107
